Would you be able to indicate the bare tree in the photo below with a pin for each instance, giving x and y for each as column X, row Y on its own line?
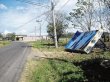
column 83, row 16
column 107, row 14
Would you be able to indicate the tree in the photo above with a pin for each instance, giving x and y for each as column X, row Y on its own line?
column 83, row 16
column 107, row 13
column 87, row 15
column 1, row 36
column 61, row 25
column 11, row 36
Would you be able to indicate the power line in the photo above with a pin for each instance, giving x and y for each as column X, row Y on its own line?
column 42, row 23
column 53, row 17
column 31, row 20
column 33, row 3
column 64, row 5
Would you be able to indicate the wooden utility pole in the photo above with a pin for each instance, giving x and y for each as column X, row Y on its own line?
column 53, row 16
column 39, row 21
column 35, row 33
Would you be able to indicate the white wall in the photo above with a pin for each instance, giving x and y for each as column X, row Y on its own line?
column 33, row 38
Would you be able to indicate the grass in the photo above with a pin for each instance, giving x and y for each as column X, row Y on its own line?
column 78, row 68
column 66, row 67
column 47, row 45
column 53, row 70
column 4, row 43
column 56, row 71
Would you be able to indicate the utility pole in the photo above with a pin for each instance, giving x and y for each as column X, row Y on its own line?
column 35, row 33
column 53, row 16
column 40, row 32
column 39, row 21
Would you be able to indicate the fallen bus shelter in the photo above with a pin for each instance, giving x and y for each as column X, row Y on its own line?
column 84, row 41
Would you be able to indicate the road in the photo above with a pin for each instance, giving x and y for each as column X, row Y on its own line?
column 12, row 60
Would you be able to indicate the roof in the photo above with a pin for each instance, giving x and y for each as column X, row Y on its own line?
column 84, row 41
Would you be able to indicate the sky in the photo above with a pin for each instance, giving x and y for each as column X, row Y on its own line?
column 20, row 16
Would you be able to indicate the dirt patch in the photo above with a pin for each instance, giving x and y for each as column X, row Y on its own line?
column 54, row 54
column 37, row 55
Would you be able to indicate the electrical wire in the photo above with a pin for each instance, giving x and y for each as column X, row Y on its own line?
column 33, row 3
column 37, row 16
column 63, row 5
column 31, row 20
column 42, row 23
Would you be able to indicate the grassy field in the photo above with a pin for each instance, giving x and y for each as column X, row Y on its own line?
column 48, row 45
column 4, row 43
column 58, row 65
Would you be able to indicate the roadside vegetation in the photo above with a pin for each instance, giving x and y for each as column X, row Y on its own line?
column 4, row 43
column 6, row 39
column 57, row 65
column 48, row 45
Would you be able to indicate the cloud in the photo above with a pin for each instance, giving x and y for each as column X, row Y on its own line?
column 2, row 6
column 14, row 19
column 20, row 8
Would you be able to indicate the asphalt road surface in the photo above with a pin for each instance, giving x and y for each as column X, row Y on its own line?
column 12, row 60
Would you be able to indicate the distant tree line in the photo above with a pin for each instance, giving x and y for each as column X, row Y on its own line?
column 8, row 36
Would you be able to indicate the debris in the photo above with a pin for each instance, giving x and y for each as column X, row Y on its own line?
column 84, row 41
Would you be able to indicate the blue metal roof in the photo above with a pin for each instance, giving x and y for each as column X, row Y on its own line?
column 80, row 40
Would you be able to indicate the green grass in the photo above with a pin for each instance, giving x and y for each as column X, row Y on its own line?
column 47, row 45
column 79, row 68
column 4, row 43
column 76, row 68
column 50, row 70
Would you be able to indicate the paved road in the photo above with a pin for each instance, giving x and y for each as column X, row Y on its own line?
column 12, row 59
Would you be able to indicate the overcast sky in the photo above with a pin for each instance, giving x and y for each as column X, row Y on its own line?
column 20, row 17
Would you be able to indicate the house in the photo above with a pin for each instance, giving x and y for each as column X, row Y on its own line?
column 19, row 37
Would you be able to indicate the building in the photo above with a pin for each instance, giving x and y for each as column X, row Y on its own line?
column 20, row 37
column 30, row 38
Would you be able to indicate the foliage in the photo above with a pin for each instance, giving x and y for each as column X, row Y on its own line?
column 53, row 70
column 90, row 14
column 61, row 25
column 68, row 67
column 77, row 68
column 48, row 45
column 107, row 13
column 11, row 36
column 83, row 16
column 4, row 43
column 1, row 36
column 68, row 35
column 107, row 3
